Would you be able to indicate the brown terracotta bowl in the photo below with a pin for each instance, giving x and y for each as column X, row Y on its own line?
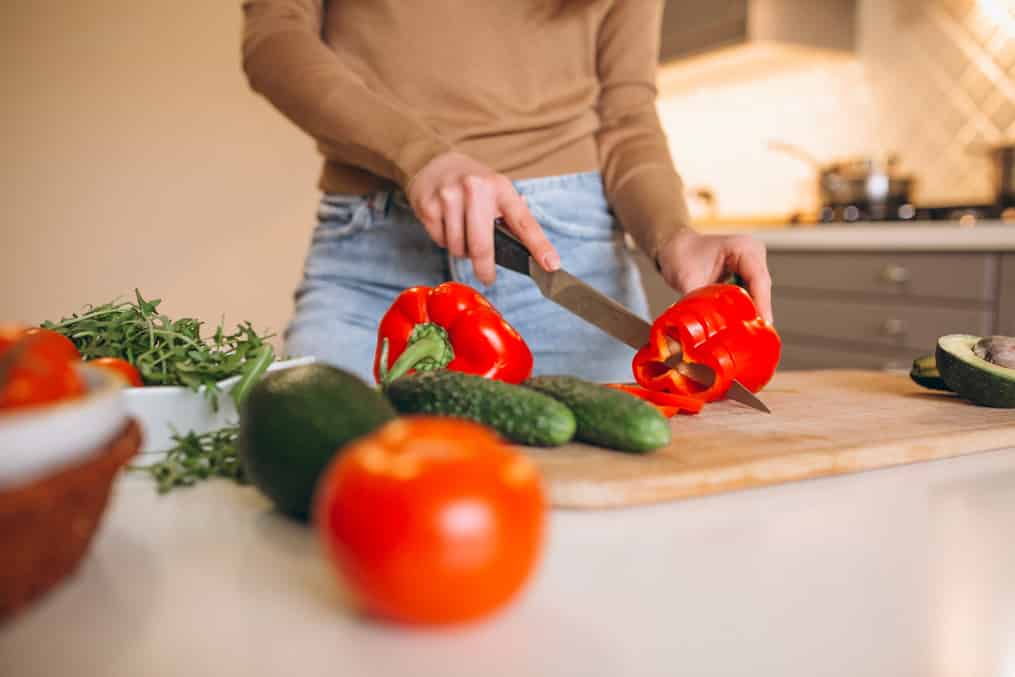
column 47, row 523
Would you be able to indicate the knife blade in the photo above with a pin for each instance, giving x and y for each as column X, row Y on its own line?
column 601, row 311
column 703, row 375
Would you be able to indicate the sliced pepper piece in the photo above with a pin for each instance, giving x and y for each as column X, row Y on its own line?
column 668, row 403
column 449, row 326
column 718, row 326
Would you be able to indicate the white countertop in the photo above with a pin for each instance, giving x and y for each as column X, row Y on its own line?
column 898, row 572
column 915, row 236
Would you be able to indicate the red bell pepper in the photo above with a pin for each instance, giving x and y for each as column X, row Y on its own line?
column 668, row 403
column 718, row 326
column 449, row 326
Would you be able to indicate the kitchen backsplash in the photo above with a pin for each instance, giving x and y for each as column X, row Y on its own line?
column 930, row 80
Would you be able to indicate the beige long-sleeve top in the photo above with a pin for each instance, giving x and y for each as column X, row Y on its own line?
column 528, row 87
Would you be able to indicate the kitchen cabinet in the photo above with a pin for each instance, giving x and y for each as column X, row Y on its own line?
column 881, row 309
column 950, row 277
column 1006, row 298
column 692, row 28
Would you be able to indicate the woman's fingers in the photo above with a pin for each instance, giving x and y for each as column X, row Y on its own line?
column 525, row 227
column 432, row 217
column 750, row 262
column 452, row 204
column 480, row 212
column 457, row 200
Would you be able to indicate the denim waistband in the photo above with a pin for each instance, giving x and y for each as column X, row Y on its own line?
column 382, row 200
column 580, row 181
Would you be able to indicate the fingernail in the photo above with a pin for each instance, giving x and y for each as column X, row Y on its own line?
column 551, row 261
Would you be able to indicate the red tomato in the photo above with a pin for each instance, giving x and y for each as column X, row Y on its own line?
column 122, row 367
column 431, row 520
column 48, row 341
column 34, row 370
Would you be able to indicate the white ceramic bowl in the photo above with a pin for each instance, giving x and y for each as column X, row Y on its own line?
column 163, row 410
column 37, row 440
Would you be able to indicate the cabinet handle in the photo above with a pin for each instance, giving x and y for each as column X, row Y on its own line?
column 893, row 327
column 895, row 274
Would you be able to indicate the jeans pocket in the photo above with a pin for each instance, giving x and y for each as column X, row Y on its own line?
column 574, row 214
column 341, row 216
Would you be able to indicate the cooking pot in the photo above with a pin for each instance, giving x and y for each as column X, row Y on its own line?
column 1004, row 174
column 865, row 180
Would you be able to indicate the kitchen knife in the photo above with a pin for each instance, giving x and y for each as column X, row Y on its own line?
column 601, row 311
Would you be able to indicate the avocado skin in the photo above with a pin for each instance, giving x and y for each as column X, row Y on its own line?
column 926, row 374
column 606, row 417
column 294, row 421
column 971, row 377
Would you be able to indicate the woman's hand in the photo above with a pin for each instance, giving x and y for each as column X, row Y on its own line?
column 457, row 200
column 690, row 260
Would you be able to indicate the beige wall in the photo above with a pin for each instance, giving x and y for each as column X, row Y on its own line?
column 135, row 155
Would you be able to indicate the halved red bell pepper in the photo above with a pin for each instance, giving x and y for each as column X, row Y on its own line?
column 718, row 326
column 449, row 326
column 668, row 403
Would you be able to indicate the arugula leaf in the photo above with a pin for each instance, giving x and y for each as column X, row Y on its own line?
column 197, row 457
column 167, row 351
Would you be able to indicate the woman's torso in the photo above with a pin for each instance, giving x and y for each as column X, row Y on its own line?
column 513, row 84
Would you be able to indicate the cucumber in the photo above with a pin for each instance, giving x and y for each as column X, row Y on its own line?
column 607, row 417
column 519, row 414
column 926, row 374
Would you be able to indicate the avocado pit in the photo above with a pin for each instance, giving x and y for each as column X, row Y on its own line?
column 999, row 350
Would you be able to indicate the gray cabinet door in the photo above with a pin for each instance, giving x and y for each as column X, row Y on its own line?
column 876, row 323
column 1006, row 302
column 898, row 275
column 797, row 356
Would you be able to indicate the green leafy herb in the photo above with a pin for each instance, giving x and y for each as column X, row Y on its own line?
column 197, row 457
column 167, row 351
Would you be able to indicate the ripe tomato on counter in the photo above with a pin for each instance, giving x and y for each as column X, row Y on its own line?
column 431, row 520
column 122, row 367
column 36, row 367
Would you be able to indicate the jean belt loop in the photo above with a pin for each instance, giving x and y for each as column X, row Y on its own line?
column 380, row 203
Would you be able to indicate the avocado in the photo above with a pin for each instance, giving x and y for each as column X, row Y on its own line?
column 293, row 423
column 607, row 417
column 926, row 374
column 982, row 370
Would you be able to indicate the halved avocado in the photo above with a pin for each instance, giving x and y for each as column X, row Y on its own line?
column 925, row 373
column 982, row 370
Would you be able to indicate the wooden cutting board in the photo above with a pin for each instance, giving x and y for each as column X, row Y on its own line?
column 823, row 423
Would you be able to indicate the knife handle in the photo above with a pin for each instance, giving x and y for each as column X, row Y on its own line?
column 508, row 251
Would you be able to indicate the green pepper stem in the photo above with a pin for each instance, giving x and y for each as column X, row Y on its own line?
column 428, row 349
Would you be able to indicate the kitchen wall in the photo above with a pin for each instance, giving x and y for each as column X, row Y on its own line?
column 134, row 154
column 930, row 80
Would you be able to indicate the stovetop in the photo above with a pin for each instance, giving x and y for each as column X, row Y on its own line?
column 965, row 214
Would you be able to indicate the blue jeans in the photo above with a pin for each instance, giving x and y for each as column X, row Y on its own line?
column 367, row 249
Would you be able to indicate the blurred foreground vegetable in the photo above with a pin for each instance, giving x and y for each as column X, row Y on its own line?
column 431, row 520
column 36, row 368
